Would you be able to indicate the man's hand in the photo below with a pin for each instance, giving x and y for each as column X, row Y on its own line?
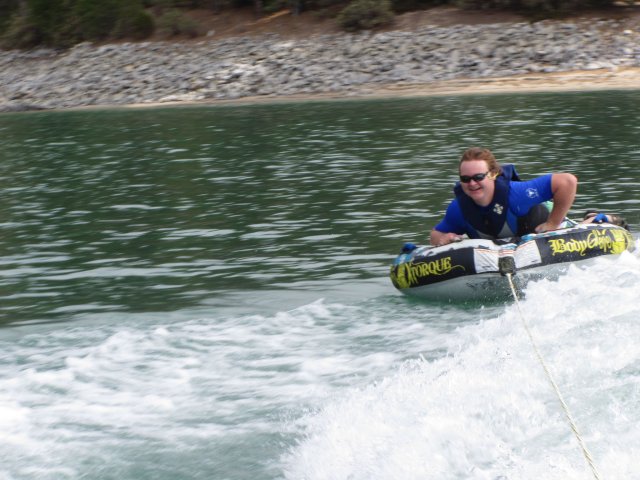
column 438, row 238
column 547, row 227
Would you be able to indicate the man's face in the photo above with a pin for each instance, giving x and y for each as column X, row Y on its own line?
column 480, row 191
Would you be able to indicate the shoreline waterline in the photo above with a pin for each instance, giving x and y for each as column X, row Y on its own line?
column 627, row 78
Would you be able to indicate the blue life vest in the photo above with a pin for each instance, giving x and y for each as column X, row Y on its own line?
column 496, row 220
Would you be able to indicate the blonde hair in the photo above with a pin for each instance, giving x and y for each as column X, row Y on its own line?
column 479, row 153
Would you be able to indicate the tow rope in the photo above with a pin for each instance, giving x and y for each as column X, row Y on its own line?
column 507, row 268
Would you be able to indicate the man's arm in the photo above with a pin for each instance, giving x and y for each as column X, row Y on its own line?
column 452, row 222
column 563, row 187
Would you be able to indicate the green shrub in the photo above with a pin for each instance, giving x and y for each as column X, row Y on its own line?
column 172, row 22
column 21, row 33
column 7, row 9
column 402, row 6
column 487, row 4
column 563, row 6
column 102, row 19
column 272, row 6
column 40, row 22
column 63, row 23
column 365, row 15
column 134, row 23
column 97, row 19
column 537, row 7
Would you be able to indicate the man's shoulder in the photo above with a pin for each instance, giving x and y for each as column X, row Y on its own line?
column 454, row 206
column 538, row 187
column 540, row 180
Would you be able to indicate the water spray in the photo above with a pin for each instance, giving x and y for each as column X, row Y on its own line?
column 508, row 268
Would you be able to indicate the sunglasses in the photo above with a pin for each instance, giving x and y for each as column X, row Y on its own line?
column 478, row 177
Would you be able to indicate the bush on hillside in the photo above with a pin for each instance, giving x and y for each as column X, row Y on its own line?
column 7, row 9
column 96, row 19
column 365, row 15
column 563, row 6
column 402, row 6
column 134, row 23
column 20, row 33
column 173, row 22
column 534, row 6
column 102, row 19
column 64, row 23
column 37, row 22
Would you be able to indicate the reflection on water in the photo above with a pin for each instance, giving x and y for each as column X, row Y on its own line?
column 163, row 209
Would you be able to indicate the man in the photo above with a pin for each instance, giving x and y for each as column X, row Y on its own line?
column 492, row 203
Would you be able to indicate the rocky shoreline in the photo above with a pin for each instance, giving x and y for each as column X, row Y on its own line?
column 271, row 67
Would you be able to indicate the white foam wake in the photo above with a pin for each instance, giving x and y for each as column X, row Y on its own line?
column 485, row 410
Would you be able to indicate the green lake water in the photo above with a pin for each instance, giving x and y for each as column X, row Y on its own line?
column 202, row 293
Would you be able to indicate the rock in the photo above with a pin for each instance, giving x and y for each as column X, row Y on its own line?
column 19, row 107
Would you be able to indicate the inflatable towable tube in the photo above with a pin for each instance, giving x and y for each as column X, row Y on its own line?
column 471, row 269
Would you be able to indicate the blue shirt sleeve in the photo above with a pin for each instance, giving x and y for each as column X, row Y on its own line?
column 453, row 221
column 524, row 195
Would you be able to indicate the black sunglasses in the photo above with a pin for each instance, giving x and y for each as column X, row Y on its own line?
column 478, row 177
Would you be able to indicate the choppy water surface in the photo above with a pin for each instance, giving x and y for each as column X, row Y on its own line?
column 202, row 293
